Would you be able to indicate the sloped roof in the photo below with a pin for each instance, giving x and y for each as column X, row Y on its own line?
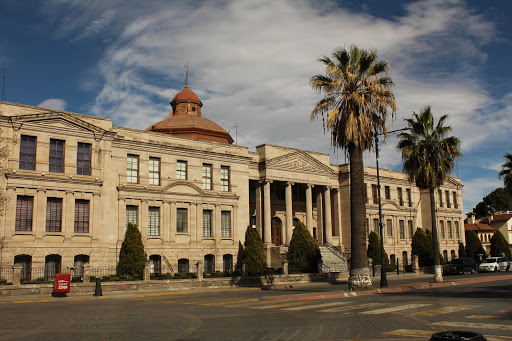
column 479, row 227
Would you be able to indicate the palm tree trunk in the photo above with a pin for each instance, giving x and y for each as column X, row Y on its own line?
column 438, row 274
column 359, row 273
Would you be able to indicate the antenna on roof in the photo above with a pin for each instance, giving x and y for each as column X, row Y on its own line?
column 186, row 75
column 3, row 82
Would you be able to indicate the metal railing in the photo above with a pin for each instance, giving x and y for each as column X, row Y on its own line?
column 40, row 275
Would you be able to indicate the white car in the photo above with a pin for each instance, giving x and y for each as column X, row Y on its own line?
column 495, row 264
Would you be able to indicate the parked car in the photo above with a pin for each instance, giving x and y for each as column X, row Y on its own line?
column 459, row 266
column 495, row 264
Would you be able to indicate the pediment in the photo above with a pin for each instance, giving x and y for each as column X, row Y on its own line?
column 183, row 187
column 299, row 161
column 57, row 121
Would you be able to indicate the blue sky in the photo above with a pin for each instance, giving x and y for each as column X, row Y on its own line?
column 251, row 61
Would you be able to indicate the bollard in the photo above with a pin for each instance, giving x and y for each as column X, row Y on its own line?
column 97, row 291
column 398, row 266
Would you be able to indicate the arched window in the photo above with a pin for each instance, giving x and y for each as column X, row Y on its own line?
column 79, row 263
column 25, row 261
column 392, row 259
column 155, row 262
column 445, row 255
column 183, row 265
column 209, row 264
column 52, row 265
column 227, row 261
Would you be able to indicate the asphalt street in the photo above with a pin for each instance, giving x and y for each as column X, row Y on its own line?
column 411, row 309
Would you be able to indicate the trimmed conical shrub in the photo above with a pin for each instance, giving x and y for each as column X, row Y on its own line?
column 499, row 245
column 132, row 256
column 422, row 247
column 254, row 256
column 303, row 253
column 474, row 246
column 374, row 249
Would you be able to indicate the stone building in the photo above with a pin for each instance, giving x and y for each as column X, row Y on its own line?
column 73, row 182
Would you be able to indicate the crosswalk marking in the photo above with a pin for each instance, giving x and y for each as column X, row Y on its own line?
column 317, row 306
column 352, row 307
column 281, row 305
column 473, row 325
column 232, row 301
column 392, row 309
column 483, row 317
column 444, row 310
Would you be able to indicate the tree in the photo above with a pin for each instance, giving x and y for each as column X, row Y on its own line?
column 254, row 256
column 428, row 156
column 303, row 253
column 474, row 246
column 422, row 247
column 356, row 102
column 132, row 256
column 374, row 249
column 497, row 200
column 506, row 172
column 499, row 245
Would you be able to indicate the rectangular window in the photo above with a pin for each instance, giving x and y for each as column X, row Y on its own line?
column 411, row 229
column 224, row 178
column 56, row 161
column 181, row 170
column 402, row 229
column 450, row 230
column 181, row 220
column 131, row 215
column 440, row 195
column 455, row 202
column 207, row 176
column 207, row 224
column 24, row 213
column 400, row 196
column 374, row 194
column 409, row 197
column 83, row 159
column 387, row 190
column 54, row 215
column 81, row 216
column 225, row 227
column 154, row 171
column 154, row 221
column 389, row 225
column 442, row 230
column 132, row 169
column 447, row 195
column 28, row 152
column 457, row 231
column 376, row 226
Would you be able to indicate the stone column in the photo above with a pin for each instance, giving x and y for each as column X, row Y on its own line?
column 337, row 214
column 199, row 269
column 147, row 271
column 16, row 274
column 328, row 222
column 86, row 274
column 259, row 225
column 309, row 208
column 267, row 226
column 320, row 231
column 68, row 215
column 289, row 212
column 166, row 221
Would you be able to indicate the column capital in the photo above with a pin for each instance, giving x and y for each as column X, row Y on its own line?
column 263, row 181
column 310, row 185
column 291, row 183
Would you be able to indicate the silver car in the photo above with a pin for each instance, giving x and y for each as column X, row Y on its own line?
column 495, row 264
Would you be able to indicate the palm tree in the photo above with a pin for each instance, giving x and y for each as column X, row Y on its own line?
column 429, row 155
column 506, row 172
column 357, row 99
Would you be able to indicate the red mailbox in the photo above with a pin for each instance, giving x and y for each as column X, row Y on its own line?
column 61, row 283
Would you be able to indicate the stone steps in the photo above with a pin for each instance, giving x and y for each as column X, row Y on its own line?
column 333, row 261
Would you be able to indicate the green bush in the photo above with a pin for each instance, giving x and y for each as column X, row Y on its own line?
column 254, row 256
column 474, row 246
column 303, row 253
column 76, row 279
column 499, row 245
column 132, row 256
column 422, row 247
column 374, row 249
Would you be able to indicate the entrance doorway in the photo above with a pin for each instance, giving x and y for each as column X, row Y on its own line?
column 277, row 228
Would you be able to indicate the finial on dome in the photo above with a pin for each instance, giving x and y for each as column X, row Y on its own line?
column 186, row 76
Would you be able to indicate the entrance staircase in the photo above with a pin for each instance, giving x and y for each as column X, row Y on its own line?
column 333, row 259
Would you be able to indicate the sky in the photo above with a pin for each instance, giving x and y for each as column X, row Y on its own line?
column 250, row 62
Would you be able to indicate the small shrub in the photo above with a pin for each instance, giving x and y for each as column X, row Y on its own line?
column 132, row 256
column 76, row 279
column 303, row 253
column 254, row 256
column 236, row 273
column 3, row 281
column 93, row 279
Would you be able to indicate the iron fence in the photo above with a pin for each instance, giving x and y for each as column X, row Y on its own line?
column 41, row 275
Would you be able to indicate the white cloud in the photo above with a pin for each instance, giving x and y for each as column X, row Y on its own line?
column 475, row 189
column 53, row 103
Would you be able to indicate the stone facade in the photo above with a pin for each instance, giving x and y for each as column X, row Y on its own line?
column 73, row 181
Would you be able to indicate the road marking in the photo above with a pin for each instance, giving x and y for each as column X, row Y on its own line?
column 281, row 305
column 444, row 310
column 352, row 307
column 482, row 317
column 424, row 334
column 392, row 309
column 232, row 301
column 317, row 306
column 473, row 325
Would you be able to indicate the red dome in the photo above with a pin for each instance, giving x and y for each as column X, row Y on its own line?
column 186, row 95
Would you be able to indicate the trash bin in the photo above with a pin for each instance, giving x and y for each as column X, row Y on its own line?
column 61, row 284
column 457, row 335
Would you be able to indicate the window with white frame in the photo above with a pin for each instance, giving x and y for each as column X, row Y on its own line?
column 401, row 224
column 207, row 223
column 181, row 220
column 54, row 215
column 131, row 215
column 181, row 170
column 81, row 216
column 56, row 159
column 224, row 178
column 132, row 169
column 153, row 221
column 154, row 171
column 207, row 176
column 24, row 213
column 225, row 227
column 28, row 152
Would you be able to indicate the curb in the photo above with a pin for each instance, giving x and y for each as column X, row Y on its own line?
column 403, row 288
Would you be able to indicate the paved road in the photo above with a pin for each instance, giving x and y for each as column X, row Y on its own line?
column 283, row 314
